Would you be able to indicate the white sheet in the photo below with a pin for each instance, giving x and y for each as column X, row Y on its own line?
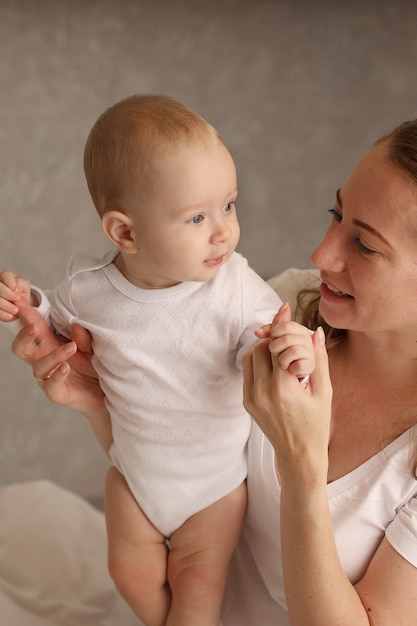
column 53, row 569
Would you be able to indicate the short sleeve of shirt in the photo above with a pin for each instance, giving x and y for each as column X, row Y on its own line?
column 402, row 532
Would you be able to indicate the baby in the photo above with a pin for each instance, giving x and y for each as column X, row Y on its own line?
column 171, row 309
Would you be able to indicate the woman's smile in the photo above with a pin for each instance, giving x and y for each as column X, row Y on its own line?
column 332, row 293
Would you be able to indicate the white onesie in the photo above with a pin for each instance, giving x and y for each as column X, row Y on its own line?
column 168, row 361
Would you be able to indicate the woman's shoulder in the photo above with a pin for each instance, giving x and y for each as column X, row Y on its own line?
column 290, row 282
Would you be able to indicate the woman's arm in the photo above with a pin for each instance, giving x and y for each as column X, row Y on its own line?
column 64, row 370
column 296, row 419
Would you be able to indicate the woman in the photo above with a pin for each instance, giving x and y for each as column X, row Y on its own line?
column 331, row 529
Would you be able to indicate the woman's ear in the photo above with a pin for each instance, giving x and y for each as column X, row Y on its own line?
column 119, row 229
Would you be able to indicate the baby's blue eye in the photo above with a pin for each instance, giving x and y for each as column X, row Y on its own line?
column 228, row 207
column 196, row 219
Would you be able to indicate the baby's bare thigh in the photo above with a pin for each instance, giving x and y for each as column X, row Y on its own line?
column 215, row 529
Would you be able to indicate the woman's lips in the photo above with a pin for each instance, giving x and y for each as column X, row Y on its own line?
column 328, row 292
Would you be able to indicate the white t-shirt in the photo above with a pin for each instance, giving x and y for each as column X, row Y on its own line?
column 378, row 498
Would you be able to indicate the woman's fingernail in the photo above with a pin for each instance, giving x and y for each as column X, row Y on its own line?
column 70, row 347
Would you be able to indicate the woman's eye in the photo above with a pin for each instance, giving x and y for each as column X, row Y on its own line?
column 364, row 249
column 196, row 219
column 337, row 217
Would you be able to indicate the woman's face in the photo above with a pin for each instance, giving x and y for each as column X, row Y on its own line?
column 368, row 259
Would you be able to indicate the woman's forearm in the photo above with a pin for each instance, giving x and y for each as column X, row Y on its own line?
column 318, row 592
column 101, row 426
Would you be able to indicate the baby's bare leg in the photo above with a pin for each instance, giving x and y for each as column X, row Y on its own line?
column 199, row 561
column 137, row 554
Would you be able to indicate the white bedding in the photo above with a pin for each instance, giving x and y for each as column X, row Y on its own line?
column 53, row 569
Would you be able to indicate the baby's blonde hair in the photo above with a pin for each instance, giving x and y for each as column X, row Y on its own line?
column 127, row 136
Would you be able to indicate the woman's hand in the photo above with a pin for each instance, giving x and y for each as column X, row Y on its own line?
column 63, row 370
column 294, row 417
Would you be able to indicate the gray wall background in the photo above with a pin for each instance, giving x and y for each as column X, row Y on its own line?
column 298, row 89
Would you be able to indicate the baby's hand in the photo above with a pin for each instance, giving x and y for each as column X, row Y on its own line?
column 12, row 289
column 290, row 342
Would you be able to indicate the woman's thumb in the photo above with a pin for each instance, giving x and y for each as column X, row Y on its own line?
column 320, row 378
column 284, row 314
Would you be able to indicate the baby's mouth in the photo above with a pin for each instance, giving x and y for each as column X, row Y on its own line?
column 216, row 261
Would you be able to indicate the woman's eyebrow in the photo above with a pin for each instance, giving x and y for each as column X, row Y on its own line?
column 338, row 198
column 363, row 225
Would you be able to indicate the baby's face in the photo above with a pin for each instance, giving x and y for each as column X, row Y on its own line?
column 187, row 227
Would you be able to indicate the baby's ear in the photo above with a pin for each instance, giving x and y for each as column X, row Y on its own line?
column 119, row 229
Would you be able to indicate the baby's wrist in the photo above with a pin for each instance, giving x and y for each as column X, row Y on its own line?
column 40, row 302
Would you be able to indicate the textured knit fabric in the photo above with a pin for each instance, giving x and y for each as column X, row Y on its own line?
column 168, row 362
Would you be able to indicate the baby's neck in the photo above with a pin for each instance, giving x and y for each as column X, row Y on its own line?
column 133, row 276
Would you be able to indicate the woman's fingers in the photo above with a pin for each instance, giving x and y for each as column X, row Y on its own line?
column 45, row 367
column 37, row 331
column 320, row 379
column 37, row 345
column 82, row 338
column 283, row 315
column 29, row 315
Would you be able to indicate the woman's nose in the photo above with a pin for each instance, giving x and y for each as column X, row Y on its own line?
column 329, row 254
